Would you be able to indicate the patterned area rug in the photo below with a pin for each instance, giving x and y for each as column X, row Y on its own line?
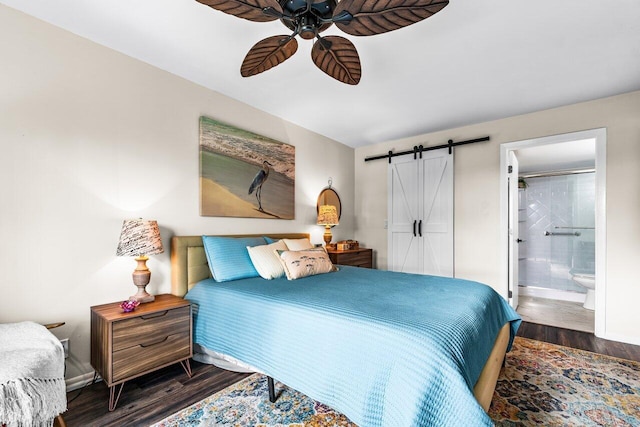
column 550, row 385
column 542, row 385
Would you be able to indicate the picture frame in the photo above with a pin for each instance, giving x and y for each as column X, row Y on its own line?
column 243, row 174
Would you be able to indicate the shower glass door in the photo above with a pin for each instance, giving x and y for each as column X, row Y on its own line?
column 557, row 224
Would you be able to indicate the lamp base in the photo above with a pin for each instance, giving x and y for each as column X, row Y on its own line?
column 141, row 278
column 327, row 235
column 142, row 296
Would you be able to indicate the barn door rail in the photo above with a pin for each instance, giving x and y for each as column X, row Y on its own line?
column 419, row 149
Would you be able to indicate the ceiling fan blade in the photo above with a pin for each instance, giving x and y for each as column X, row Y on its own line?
column 376, row 17
column 267, row 54
column 338, row 58
column 251, row 10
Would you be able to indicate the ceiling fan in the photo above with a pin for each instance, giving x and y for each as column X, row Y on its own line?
column 334, row 55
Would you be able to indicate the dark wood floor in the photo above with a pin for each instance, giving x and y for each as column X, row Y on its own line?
column 147, row 399
column 578, row 339
column 152, row 397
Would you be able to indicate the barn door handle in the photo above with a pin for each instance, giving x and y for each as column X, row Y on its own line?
column 414, row 228
column 420, row 228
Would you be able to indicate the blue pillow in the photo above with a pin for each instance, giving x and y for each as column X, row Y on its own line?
column 269, row 240
column 228, row 257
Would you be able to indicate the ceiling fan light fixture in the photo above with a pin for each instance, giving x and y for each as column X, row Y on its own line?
column 308, row 27
column 334, row 55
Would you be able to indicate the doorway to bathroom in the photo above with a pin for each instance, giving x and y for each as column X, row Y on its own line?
column 556, row 255
column 553, row 227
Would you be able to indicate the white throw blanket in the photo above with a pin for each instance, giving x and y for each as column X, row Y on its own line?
column 32, row 387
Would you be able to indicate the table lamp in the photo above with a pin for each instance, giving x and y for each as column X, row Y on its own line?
column 327, row 216
column 140, row 238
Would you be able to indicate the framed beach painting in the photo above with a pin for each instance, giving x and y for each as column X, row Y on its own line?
column 243, row 174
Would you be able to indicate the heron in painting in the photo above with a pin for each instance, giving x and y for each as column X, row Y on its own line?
column 257, row 182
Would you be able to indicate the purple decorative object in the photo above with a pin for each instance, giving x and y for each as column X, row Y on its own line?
column 130, row 305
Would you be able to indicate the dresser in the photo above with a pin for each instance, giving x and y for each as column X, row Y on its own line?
column 126, row 345
column 361, row 257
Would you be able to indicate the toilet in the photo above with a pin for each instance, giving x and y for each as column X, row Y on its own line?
column 588, row 281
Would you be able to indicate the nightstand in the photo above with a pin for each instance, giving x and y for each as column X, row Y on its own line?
column 362, row 257
column 127, row 345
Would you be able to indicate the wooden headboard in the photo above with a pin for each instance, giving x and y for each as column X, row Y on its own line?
column 189, row 262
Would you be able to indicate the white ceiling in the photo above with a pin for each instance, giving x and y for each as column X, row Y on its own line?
column 474, row 61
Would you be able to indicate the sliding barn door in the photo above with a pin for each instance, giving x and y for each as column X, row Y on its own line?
column 437, row 212
column 405, row 251
column 420, row 217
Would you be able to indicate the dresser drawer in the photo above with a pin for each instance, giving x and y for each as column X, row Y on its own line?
column 150, row 328
column 139, row 358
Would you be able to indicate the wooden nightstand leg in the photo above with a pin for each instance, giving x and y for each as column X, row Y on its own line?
column 112, row 394
column 187, row 367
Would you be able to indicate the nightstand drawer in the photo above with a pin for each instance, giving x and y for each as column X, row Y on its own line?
column 356, row 259
column 134, row 360
column 362, row 257
column 150, row 328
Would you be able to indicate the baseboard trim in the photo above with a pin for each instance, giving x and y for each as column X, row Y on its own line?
column 80, row 381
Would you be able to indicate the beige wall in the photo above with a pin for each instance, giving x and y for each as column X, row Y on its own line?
column 477, row 197
column 89, row 137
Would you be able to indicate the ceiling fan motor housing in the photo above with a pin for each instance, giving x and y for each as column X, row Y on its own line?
column 310, row 22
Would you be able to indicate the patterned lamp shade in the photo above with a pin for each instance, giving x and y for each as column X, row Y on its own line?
column 328, row 215
column 139, row 237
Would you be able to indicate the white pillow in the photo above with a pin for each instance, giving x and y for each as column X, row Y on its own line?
column 266, row 261
column 298, row 244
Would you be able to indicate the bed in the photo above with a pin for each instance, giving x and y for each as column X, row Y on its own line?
column 383, row 348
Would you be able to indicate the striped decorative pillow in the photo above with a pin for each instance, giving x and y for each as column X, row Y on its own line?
column 265, row 259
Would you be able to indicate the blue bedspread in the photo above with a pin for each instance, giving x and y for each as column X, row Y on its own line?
column 384, row 348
